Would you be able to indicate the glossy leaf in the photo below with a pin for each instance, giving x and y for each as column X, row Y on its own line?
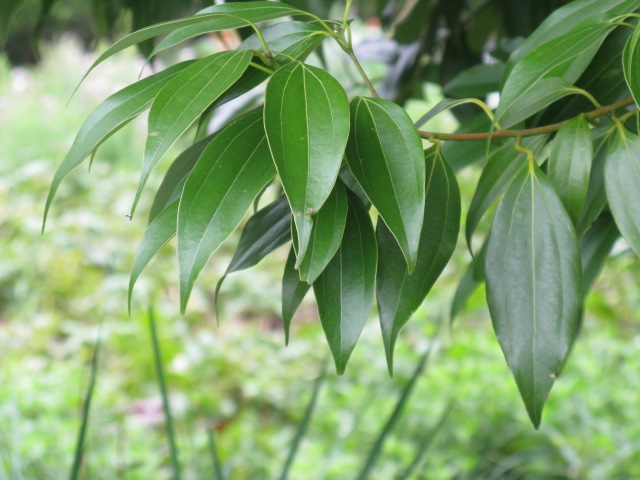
column 503, row 166
column 344, row 291
column 160, row 230
column 545, row 75
column 170, row 189
column 622, row 185
column 631, row 64
column 293, row 292
column 182, row 101
column 533, row 276
column 570, row 164
column 400, row 294
column 326, row 234
column 110, row 116
column 231, row 172
column 307, row 154
column 227, row 16
column 385, row 155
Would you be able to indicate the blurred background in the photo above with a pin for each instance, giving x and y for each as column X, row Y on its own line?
column 233, row 379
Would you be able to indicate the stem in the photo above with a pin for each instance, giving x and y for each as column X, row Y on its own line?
column 599, row 112
column 361, row 71
column 260, row 67
column 346, row 13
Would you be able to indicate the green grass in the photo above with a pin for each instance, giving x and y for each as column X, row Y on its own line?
column 238, row 380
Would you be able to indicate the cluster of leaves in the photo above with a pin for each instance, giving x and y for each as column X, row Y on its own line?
column 562, row 198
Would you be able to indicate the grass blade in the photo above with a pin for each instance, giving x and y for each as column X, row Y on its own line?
column 157, row 357
column 84, row 426
column 215, row 458
column 302, row 428
column 395, row 416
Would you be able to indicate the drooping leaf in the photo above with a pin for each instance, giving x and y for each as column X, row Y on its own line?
column 293, row 292
column 477, row 81
column 534, row 291
column 306, row 115
column 546, row 73
column 622, row 185
column 170, row 189
column 503, row 166
column 400, row 294
column 595, row 247
column 105, row 120
column 570, row 164
column 631, row 64
column 226, row 16
column 472, row 279
column 182, row 101
column 160, row 230
column 326, row 234
column 344, row 291
column 230, row 173
column 385, row 155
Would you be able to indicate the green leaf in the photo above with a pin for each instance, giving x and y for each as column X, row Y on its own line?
column 546, row 74
column 477, row 81
column 230, row 173
column 472, row 279
column 105, row 120
column 326, row 234
column 170, row 189
column 386, row 157
column 622, row 185
column 400, row 294
column 570, row 164
column 293, row 292
column 183, row 100
column 160, row 230
column 503, row 166
column 595, row 248
column 8, row 9
column 225, row 17
column 631, row 64
column 533, row 275
column 344, row 291
column 307, row 154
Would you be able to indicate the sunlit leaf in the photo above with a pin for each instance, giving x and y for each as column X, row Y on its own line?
column 534, row 291
column 230, row 173
column 385, row 155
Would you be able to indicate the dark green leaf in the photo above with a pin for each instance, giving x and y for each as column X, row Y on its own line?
column 344, row 291
column 477, row 81
column 472, row 279
column 183, row 100
column 631, row 64
column 170, row 189
column 293, row 292
column 224, row 17
column 386, row 157
column 8, row 9
column 230, row 173
column 622, row 184
column 307, row 153
column 400, row 294
column 595, row 247
column 326, row 234
column 533, row 275
column 570, row 164
column 503, row 166
column 160, row 230
column 105, row 120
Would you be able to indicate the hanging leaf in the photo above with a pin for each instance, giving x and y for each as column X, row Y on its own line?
column 570, row 164
column 344, row 291
column 230, row 173
column 293, row 292
column 183, row 100
column 622, row 185
column 326, row 234
column 477, row 81
column 224, row 17
column 595, row 248
column 472, row 279
column 160, row 230
column 533, row 285
column 386, row 157
column 400, row 294
column 307, row 154
column 110, row 116
column 631, row 64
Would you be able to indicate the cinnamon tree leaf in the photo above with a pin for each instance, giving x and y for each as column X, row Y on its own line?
column 533, row 276
column 386, row 157
column 631, row 64
column 293, row 292
column 231, row 172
